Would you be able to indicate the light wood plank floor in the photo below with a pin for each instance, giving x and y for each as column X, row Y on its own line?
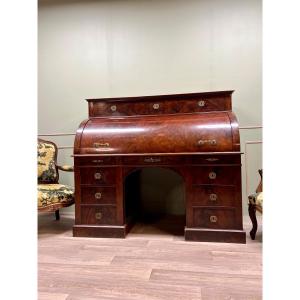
column 153, row 262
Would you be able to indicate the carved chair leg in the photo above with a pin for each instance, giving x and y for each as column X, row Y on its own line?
column 57, row 217
column 252, row 215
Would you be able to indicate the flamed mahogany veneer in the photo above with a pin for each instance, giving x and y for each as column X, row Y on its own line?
column 195, row 135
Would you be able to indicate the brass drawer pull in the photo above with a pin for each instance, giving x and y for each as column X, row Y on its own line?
column 113, row 108
column 212, row 175
column 213, row 219
column 97, row 175
column 155, row 106
column 201, row 103
column 212, row 159
column 152, row 160
column 210, row 142
column 97, row 161
column 98, row 195
column 213, row 197
column 101, row 145
column 98, row 216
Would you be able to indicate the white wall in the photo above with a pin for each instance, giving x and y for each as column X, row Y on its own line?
column 126, row 48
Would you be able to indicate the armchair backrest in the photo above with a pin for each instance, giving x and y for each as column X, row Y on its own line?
column 46, row 160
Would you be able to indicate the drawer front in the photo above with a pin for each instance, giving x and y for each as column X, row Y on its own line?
column 98, row 195
column 152, row 160
column 213, row 159
column 208, row 195
column 215, row 175
column 105, row 215
column 215, row 218
column 97, row 176
column 157, row 107
column 95, row 161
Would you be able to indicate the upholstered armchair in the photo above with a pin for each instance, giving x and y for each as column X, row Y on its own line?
column 51, row 195
column 255, row 203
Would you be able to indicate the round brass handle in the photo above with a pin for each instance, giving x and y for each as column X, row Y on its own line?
column 156, row 106
column 212, row 175
column 97, row 175
column 213, row 197
column 98, row 195
column 113, row 107
column 213, row 219
column 201, row 103
column 98, row 215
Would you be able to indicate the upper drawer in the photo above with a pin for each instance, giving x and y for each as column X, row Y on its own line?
column 216, row 175
column 155, row 105
column 97, row 176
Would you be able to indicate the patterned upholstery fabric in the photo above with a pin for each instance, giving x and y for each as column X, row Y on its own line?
column 52, row 194
column 47, row 172
column 257, row 200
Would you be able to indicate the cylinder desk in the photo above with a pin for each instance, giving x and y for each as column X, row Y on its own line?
column 196, row 135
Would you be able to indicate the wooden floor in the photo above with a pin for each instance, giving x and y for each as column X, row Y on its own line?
column 153, row 262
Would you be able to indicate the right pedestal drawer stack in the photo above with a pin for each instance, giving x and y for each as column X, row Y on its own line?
column 214, row 197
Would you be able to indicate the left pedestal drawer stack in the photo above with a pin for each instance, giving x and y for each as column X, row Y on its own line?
column 96, row 196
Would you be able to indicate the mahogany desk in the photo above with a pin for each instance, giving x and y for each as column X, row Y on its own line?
column 195, row 135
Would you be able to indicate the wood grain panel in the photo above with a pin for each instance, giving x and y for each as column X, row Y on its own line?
column 213, row 195
column 100, row 214
column 98, row 195
column 215, row 175
column 97, row 175
column 214, row 217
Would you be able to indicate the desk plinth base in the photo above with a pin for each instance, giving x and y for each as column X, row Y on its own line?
column 215, row 235
column 191, row 234
column 104, row 231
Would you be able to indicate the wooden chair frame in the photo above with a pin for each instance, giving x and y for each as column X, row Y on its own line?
column 252, row 208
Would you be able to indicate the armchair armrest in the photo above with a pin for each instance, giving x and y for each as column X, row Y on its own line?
column 66, row 168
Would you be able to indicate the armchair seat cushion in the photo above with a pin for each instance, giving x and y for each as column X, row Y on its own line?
column 54, row 196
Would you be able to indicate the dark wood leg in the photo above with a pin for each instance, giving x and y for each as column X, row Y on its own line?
column 57, row 217
column 252, row 215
